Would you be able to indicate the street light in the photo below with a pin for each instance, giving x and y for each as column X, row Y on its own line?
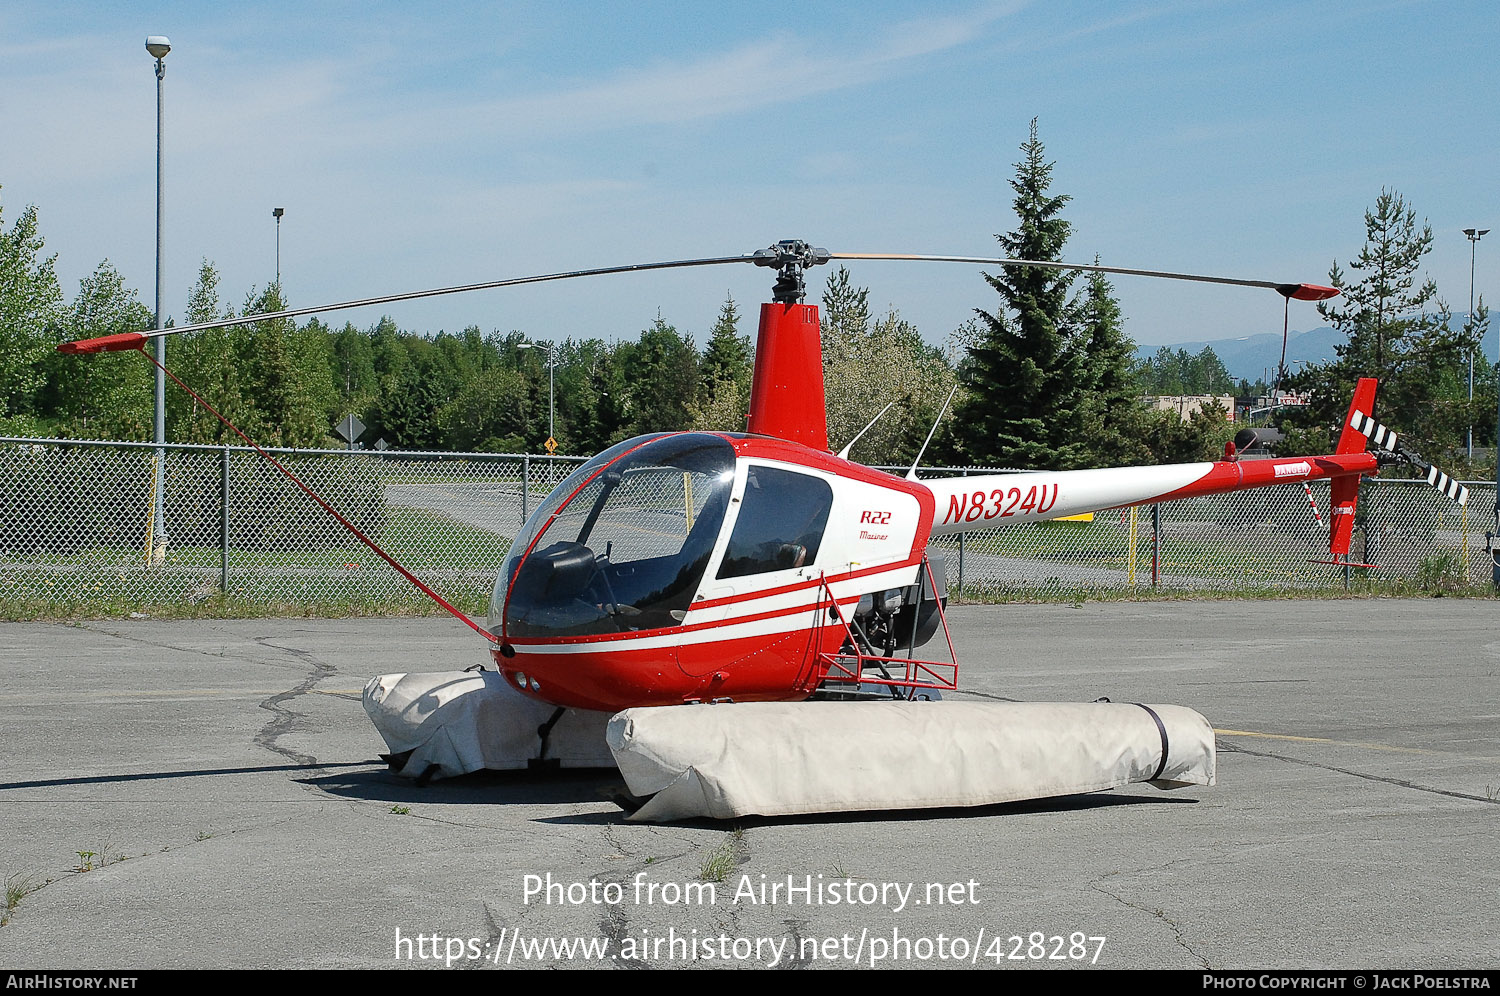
column 158, row 46
column 1474, row 234
column 277, row 213
column 551, row 409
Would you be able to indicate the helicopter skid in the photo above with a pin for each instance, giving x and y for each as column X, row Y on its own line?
column 443, row 724
column 729, row 760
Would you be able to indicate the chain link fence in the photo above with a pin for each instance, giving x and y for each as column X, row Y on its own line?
column 77, row 520
column 1265, row 538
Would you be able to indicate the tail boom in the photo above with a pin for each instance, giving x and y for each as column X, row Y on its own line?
column 984, row 502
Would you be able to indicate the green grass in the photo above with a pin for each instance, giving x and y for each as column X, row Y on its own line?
column 89, row 860
column 998, row 594
column 221, row 607
column 719, row 862
column 459, row 561
column 1103, row 543
column 17, row 888
column 409, row 535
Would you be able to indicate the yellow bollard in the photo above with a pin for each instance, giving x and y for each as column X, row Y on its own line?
column 1463, row 513
column 151, row 515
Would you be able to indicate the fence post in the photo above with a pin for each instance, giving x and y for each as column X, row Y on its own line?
column 1155, row 543
column 224, row 522
column 961, row 561
column 525, row 485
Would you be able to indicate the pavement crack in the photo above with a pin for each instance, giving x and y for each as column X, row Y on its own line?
column 494, row 941
column 1228, row 748
column 1154, row 912
column 615, row 925
column 223, row 654
column 794, row 929
column 284, row 719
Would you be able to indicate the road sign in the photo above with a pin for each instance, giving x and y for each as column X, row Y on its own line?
column 551, row 445
column 350, row 429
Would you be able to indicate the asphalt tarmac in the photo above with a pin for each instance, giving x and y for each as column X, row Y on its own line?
column 206, row 795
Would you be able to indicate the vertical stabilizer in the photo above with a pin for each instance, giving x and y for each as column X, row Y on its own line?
column 1361, row 409
column 1344, row 491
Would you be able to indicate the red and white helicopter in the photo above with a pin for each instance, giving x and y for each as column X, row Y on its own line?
column 687, row 567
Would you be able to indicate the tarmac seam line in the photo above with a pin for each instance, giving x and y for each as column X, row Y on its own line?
column 1398, row 782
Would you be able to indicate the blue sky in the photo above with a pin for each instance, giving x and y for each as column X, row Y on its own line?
column 417, row 145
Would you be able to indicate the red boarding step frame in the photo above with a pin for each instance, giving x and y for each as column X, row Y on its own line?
column 849, row 668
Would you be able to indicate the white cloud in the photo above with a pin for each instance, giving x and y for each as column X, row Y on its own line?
column 758, row 74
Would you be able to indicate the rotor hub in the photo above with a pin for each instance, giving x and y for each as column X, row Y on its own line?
column 790, row 257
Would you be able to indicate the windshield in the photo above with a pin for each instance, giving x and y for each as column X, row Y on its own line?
column 626, row 552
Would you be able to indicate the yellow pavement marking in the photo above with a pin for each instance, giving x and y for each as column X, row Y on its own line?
column 1324, row 740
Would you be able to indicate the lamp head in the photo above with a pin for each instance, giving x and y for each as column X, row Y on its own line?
column 158, row 46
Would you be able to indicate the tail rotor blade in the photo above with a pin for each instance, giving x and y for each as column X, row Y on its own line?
column 1391, row 443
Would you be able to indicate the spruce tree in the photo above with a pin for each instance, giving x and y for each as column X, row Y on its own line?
column 724, row 375
column 1025, row 376
column 662, row 371
column 1399, row 331
column 728, row 354
column 1111, row 409
column 206, row 361
column 845, row 318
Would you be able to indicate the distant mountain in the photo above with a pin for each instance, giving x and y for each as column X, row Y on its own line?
column 1254, row 356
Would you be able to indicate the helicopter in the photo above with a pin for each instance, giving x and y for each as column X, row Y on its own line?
column 759, row 566
column 754, row 571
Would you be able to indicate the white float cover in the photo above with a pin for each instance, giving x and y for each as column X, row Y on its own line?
column 728, row 760
column 463, row 721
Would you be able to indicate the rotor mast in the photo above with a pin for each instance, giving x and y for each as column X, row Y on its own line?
column 786, row 392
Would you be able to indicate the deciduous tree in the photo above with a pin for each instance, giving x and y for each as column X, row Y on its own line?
column 31, row 312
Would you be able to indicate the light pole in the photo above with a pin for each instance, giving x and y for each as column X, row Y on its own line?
column 551, row 408
column 158, row 46
column 277, row 213
column 1474, row 234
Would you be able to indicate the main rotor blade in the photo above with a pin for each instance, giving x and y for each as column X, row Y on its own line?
column 1302, row 292
column 131, row 340
column 136, row 340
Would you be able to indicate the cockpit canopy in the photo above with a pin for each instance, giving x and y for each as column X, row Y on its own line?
column 622, row 544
